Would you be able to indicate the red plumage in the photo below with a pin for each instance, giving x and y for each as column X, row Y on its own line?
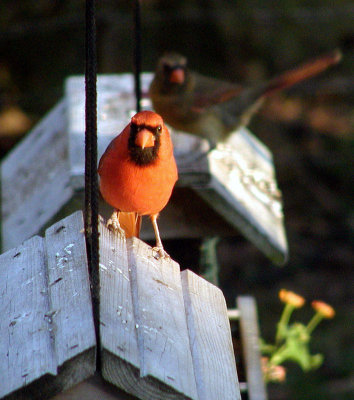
column 138, row 170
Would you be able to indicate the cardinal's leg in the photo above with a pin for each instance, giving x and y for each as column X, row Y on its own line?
column 158, row 248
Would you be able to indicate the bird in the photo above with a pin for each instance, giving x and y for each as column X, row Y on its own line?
column 137, row 174
column 213, row 108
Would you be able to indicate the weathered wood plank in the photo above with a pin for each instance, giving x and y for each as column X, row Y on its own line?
column 144, row 339
column 35, row 179
column 46, row 314
column 26, row 344
column 250, row 343
column 243, row 190
column 210, row 338
column 162, row 337
column 119, row 348
column 161, row 323
column 69, row 293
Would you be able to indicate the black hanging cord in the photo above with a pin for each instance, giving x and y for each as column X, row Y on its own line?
column 137, row 52
column 91, row 180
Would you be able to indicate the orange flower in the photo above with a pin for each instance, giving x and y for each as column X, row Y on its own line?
column 291, row 298
column 277, row 373
column 324, row 309
column 272, row 373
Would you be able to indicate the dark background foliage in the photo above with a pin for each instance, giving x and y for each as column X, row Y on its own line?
column 309, row 130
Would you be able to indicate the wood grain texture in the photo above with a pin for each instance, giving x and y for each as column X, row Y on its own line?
column 26, row 345
column 120, row 356
column 69, row 289
column 144, row 340
column 210, row 339
column 251, row 350
column 160, row 316
column 244, row 191
column 46, row 314
column 35, row 179
column 162, row 337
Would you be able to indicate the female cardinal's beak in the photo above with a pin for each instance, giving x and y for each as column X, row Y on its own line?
column 177, row 75
column 145, row 138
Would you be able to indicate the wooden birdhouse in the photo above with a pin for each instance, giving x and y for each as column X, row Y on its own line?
column 164, row 334
column 231, row 188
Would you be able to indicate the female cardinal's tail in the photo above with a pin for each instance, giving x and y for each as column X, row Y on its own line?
column 130, row 222
column 305, row 71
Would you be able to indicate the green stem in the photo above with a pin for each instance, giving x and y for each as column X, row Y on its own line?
column 283, row 322
column 316, row 319
column 280, row 355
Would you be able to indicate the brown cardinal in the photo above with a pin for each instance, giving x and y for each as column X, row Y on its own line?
column 214, row 108
column 137, row 174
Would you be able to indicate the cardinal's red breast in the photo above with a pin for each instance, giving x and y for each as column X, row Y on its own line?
column 134, row 187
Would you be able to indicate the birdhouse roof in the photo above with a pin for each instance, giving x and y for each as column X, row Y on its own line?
column 43, row 175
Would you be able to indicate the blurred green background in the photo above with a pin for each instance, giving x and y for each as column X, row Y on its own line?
column 309, row 130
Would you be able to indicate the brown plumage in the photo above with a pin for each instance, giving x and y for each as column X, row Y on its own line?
column 213, row 108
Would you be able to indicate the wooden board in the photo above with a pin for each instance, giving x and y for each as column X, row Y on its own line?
column 35, row 179
column 243, row 190
column 48, row 339
column 236, row 178
column 251, row 351
column 209, row 334
column 145, row 334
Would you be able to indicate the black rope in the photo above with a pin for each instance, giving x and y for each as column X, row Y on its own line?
column 137, row 53
column 91, row 180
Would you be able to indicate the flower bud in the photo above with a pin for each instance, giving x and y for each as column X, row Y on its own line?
column 324, row 309
column 291, row 298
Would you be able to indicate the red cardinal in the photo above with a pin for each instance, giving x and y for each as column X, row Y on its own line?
column 137, row 174
column 213, row 108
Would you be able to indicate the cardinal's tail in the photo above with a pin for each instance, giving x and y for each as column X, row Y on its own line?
column 130, row 222
column 304, row 71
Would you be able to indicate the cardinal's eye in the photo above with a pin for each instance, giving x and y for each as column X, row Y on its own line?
column 158, row 129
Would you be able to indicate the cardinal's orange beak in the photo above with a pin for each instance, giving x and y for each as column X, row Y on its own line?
column 177, row 75
column 145, row 138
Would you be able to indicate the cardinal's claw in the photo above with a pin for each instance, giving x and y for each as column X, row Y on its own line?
column 114, row 226
column 159, row 252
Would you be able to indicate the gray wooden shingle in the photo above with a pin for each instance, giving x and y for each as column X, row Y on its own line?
column 210, row 339
column 46, row 327
column 26, row 345
column 154, row 327
column 163, row 335
column 35, row 179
